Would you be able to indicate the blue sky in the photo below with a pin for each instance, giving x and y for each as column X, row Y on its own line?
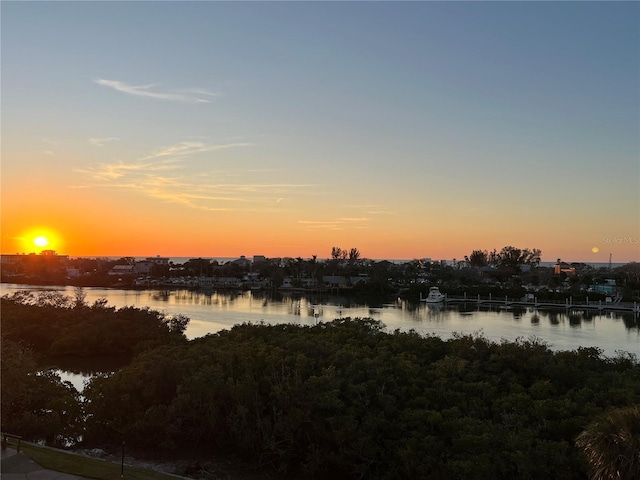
column 405, row 129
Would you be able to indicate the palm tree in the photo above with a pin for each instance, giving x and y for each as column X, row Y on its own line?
column 611, row 444
column 314, row 263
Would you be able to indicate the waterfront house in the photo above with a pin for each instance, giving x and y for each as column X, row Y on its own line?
column 563, row 267
column 122, row 270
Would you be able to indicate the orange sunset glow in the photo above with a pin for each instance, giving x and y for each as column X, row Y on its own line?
column 263, row 146
column 36, row 239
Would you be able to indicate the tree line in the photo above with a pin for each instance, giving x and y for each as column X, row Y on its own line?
column 347, row 400
column 508, row 257
column 342, row 399
column 512, row 271
column 53, row 324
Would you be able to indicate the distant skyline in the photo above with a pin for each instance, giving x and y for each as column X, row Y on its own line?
column 404, row 129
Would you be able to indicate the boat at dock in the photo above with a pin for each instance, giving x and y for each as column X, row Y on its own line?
column 435, row 296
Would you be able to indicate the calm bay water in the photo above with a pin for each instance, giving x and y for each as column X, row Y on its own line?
column 211, row 312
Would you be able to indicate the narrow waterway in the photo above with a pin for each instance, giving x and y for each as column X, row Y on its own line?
column 211, row 312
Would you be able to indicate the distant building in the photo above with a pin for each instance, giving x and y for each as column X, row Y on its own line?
column 122, row 270
column 229, row 282
column 47, row 262
column 251, row 277
column 308, row 282
column 606, row 288
column 242, row 261
column 144, row 267
column 158, row 260
column 563, row 267
column 11, row 261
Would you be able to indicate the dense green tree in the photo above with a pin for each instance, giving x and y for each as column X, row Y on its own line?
column 52, row 324
column 37, row 405
column 346, row 399
column 342, row 399
column 198, row 267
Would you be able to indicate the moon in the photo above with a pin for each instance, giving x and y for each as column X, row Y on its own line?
column 595, row 249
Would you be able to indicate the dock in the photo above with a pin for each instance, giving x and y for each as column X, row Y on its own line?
column 568, row 304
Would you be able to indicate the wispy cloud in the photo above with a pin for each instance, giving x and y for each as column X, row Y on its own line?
column 162, row 174
column 362, row 219
column 195, row 95
column 314, row 225
column 335, row 224
column 373, row 209
column 114, row 171
column 101, row 142
column 185, row 149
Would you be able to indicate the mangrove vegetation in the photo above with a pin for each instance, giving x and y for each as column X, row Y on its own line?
column 341, row 399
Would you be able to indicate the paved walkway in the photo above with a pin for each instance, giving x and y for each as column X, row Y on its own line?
column 17, row 466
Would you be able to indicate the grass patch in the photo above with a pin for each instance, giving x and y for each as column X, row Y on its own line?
column 61, row 461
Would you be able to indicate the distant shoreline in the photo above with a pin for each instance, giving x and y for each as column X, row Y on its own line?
column 177, row 260
column 222, row 260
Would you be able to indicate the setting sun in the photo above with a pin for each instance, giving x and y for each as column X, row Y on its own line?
column 136, row 161
column 39, row 238
column 41, row 241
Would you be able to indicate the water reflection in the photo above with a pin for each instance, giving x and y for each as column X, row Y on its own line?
column 212, row 311
column 79, row 371
column 78, row 380
column 631, row 321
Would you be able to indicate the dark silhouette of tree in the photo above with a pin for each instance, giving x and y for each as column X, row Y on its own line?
column 509, row 259
column 198, row 266
column 36, row 404
column 493, row 258
column 177, row 323
column 532, row 257
column 79, row 298
column 313, row 263
column 611, row 445
column 479, row 258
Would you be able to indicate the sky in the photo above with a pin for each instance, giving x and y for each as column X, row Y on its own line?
column 403, row 129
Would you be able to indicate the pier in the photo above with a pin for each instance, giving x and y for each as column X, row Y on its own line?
column 569, row 303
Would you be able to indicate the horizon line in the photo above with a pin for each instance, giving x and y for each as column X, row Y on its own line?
column 250, row 257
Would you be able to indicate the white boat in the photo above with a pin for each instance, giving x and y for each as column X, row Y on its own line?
column 435, row 296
